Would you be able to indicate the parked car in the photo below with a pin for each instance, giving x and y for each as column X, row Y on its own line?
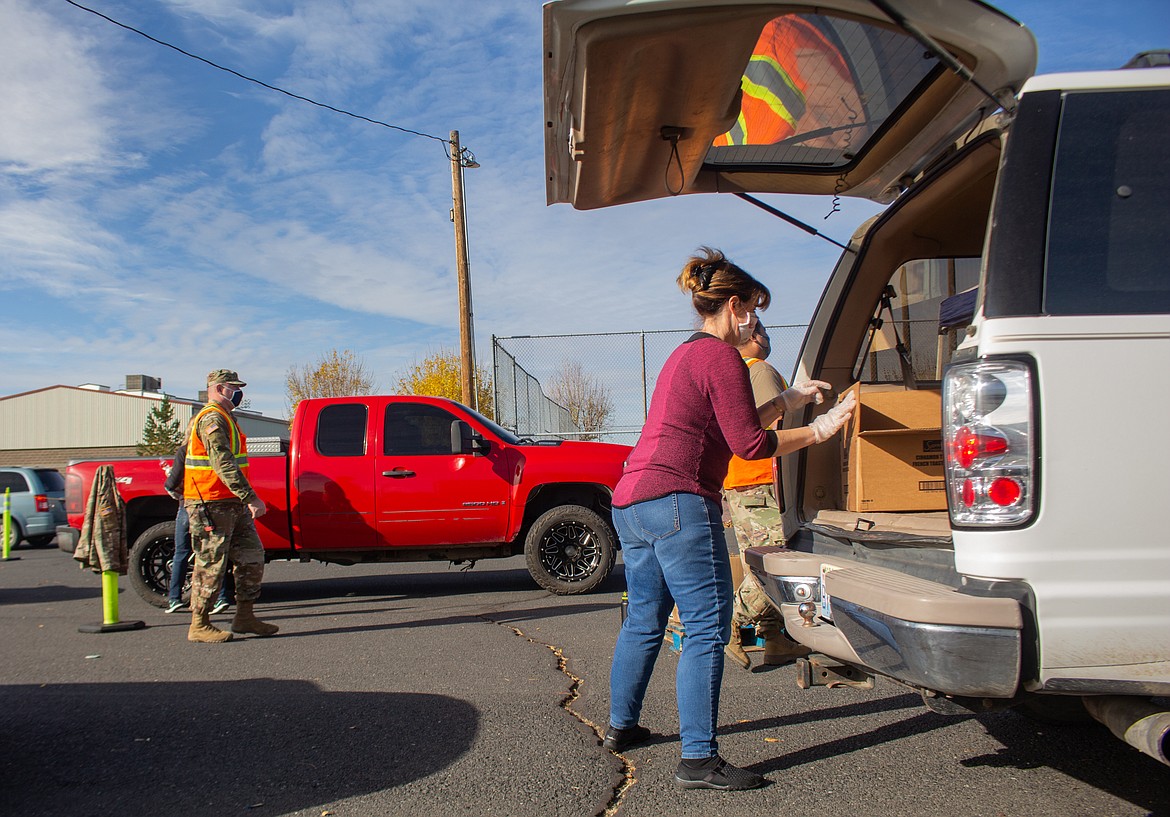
column 398, row 478
column 37, row 504
column 989, row 532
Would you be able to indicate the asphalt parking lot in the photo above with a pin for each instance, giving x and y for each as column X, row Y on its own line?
column 420, row 689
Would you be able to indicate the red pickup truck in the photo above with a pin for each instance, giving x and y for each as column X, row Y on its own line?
column 397, row 478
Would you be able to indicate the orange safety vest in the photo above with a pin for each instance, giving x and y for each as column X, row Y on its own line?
column 742, row 473
column 793, row 71
column 200, row 481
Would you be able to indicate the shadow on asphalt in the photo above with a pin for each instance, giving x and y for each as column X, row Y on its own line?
column 441, row 582
column 1087, row 752
column 261, row 747
column 47, row 594
column 429, row 620
column 868, row 707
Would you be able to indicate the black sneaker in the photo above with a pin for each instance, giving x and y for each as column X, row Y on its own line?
column 618, row 740
column 717, row 774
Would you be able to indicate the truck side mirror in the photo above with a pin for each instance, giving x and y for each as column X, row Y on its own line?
column 466, row 441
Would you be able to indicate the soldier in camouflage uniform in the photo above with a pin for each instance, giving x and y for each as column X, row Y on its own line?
column 755, row 513
column 222, row 506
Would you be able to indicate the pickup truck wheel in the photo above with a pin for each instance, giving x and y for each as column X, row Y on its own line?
column 569, row 550
column 150, row 563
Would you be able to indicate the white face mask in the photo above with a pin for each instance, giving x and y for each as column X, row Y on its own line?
column 746, row 328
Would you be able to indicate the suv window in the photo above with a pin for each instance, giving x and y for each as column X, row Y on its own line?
column 817, row 89
column 415, row 428
column 918, row 289
column 1107, row 236
column 14, row 482
column 341, row 430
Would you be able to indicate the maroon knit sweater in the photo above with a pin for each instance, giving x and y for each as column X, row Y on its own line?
column 702, row 412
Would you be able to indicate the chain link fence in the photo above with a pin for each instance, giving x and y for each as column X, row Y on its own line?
column 520, row 403
column 624, row 364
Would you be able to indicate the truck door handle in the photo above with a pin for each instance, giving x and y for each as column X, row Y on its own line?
column 398, row 473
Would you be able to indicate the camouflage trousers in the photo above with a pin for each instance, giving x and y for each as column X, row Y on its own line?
column 755, row 515
column 222, row 531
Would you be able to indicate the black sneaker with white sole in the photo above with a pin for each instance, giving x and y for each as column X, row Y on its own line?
column 716, row 773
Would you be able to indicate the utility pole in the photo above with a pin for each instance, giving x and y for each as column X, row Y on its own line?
column 459, row 216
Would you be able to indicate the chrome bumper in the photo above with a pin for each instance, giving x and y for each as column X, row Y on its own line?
column 915, row 631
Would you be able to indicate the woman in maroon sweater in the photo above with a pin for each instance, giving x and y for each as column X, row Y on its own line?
column 669, row 518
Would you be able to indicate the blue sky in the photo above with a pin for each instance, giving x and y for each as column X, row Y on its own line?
column 160, row 217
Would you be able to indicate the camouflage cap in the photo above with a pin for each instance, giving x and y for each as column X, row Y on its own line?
column 224, row 376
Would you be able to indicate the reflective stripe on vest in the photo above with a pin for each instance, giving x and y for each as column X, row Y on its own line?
column 740, row 472
column 200, row 481
column 791, row 61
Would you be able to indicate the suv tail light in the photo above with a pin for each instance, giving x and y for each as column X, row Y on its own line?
column 989, row 443
column 42, row 503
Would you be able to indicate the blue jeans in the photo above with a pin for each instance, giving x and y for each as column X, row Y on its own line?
column 675, row 552
column 181, row 562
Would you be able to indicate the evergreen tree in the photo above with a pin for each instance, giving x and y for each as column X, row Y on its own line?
column 160, row 435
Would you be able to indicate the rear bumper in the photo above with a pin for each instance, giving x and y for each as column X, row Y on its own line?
column 67, row 538
column 916, row 631
column 39, row 524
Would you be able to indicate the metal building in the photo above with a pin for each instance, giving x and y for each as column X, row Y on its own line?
column 49, row 427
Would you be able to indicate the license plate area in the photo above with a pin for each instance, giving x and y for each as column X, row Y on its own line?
column 826, row 601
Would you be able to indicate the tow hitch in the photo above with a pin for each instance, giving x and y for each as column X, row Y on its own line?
column 820, row 670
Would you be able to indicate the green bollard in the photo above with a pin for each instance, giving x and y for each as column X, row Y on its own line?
column 110, row 623
column 110, row 597
column 8, row 526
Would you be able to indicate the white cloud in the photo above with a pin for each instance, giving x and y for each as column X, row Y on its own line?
column 52, row 99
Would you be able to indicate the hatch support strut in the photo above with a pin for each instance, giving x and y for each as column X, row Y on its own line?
column 945, row 57
column 795, row 222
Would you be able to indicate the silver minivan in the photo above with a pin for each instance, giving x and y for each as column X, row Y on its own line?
column 1009, row 549
column 36, row 498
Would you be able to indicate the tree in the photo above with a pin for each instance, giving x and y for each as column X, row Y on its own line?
column 588, row 401
column 438, row 376
column 160, row 435
column 335, row 374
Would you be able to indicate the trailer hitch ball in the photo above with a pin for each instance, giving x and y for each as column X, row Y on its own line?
column 808, row 612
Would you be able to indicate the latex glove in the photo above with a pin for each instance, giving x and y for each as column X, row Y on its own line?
column 257, row 507
column 831, row 421
column 802, row 394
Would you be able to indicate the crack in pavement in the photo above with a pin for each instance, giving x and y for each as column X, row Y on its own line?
column 614, row 803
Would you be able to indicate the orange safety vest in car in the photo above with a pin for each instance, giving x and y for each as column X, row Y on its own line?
column 742, row 473
column 794, row 71
column 200, row 481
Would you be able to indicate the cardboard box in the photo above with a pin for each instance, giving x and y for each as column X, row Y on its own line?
column 892, row 454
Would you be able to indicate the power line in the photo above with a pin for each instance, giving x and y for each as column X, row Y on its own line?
column 261, row 83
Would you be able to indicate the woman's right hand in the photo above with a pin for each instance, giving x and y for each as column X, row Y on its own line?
column 800, row 395
column 830, row 422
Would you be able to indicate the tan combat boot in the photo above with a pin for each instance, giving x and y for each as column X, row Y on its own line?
column 246, row 622
column 201, row 630
column 734, row 648
column 779, row 648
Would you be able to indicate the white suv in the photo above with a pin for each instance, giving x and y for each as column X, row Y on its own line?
column 1008, row 546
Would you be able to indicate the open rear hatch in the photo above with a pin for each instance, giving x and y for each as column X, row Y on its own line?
column 651, row 98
